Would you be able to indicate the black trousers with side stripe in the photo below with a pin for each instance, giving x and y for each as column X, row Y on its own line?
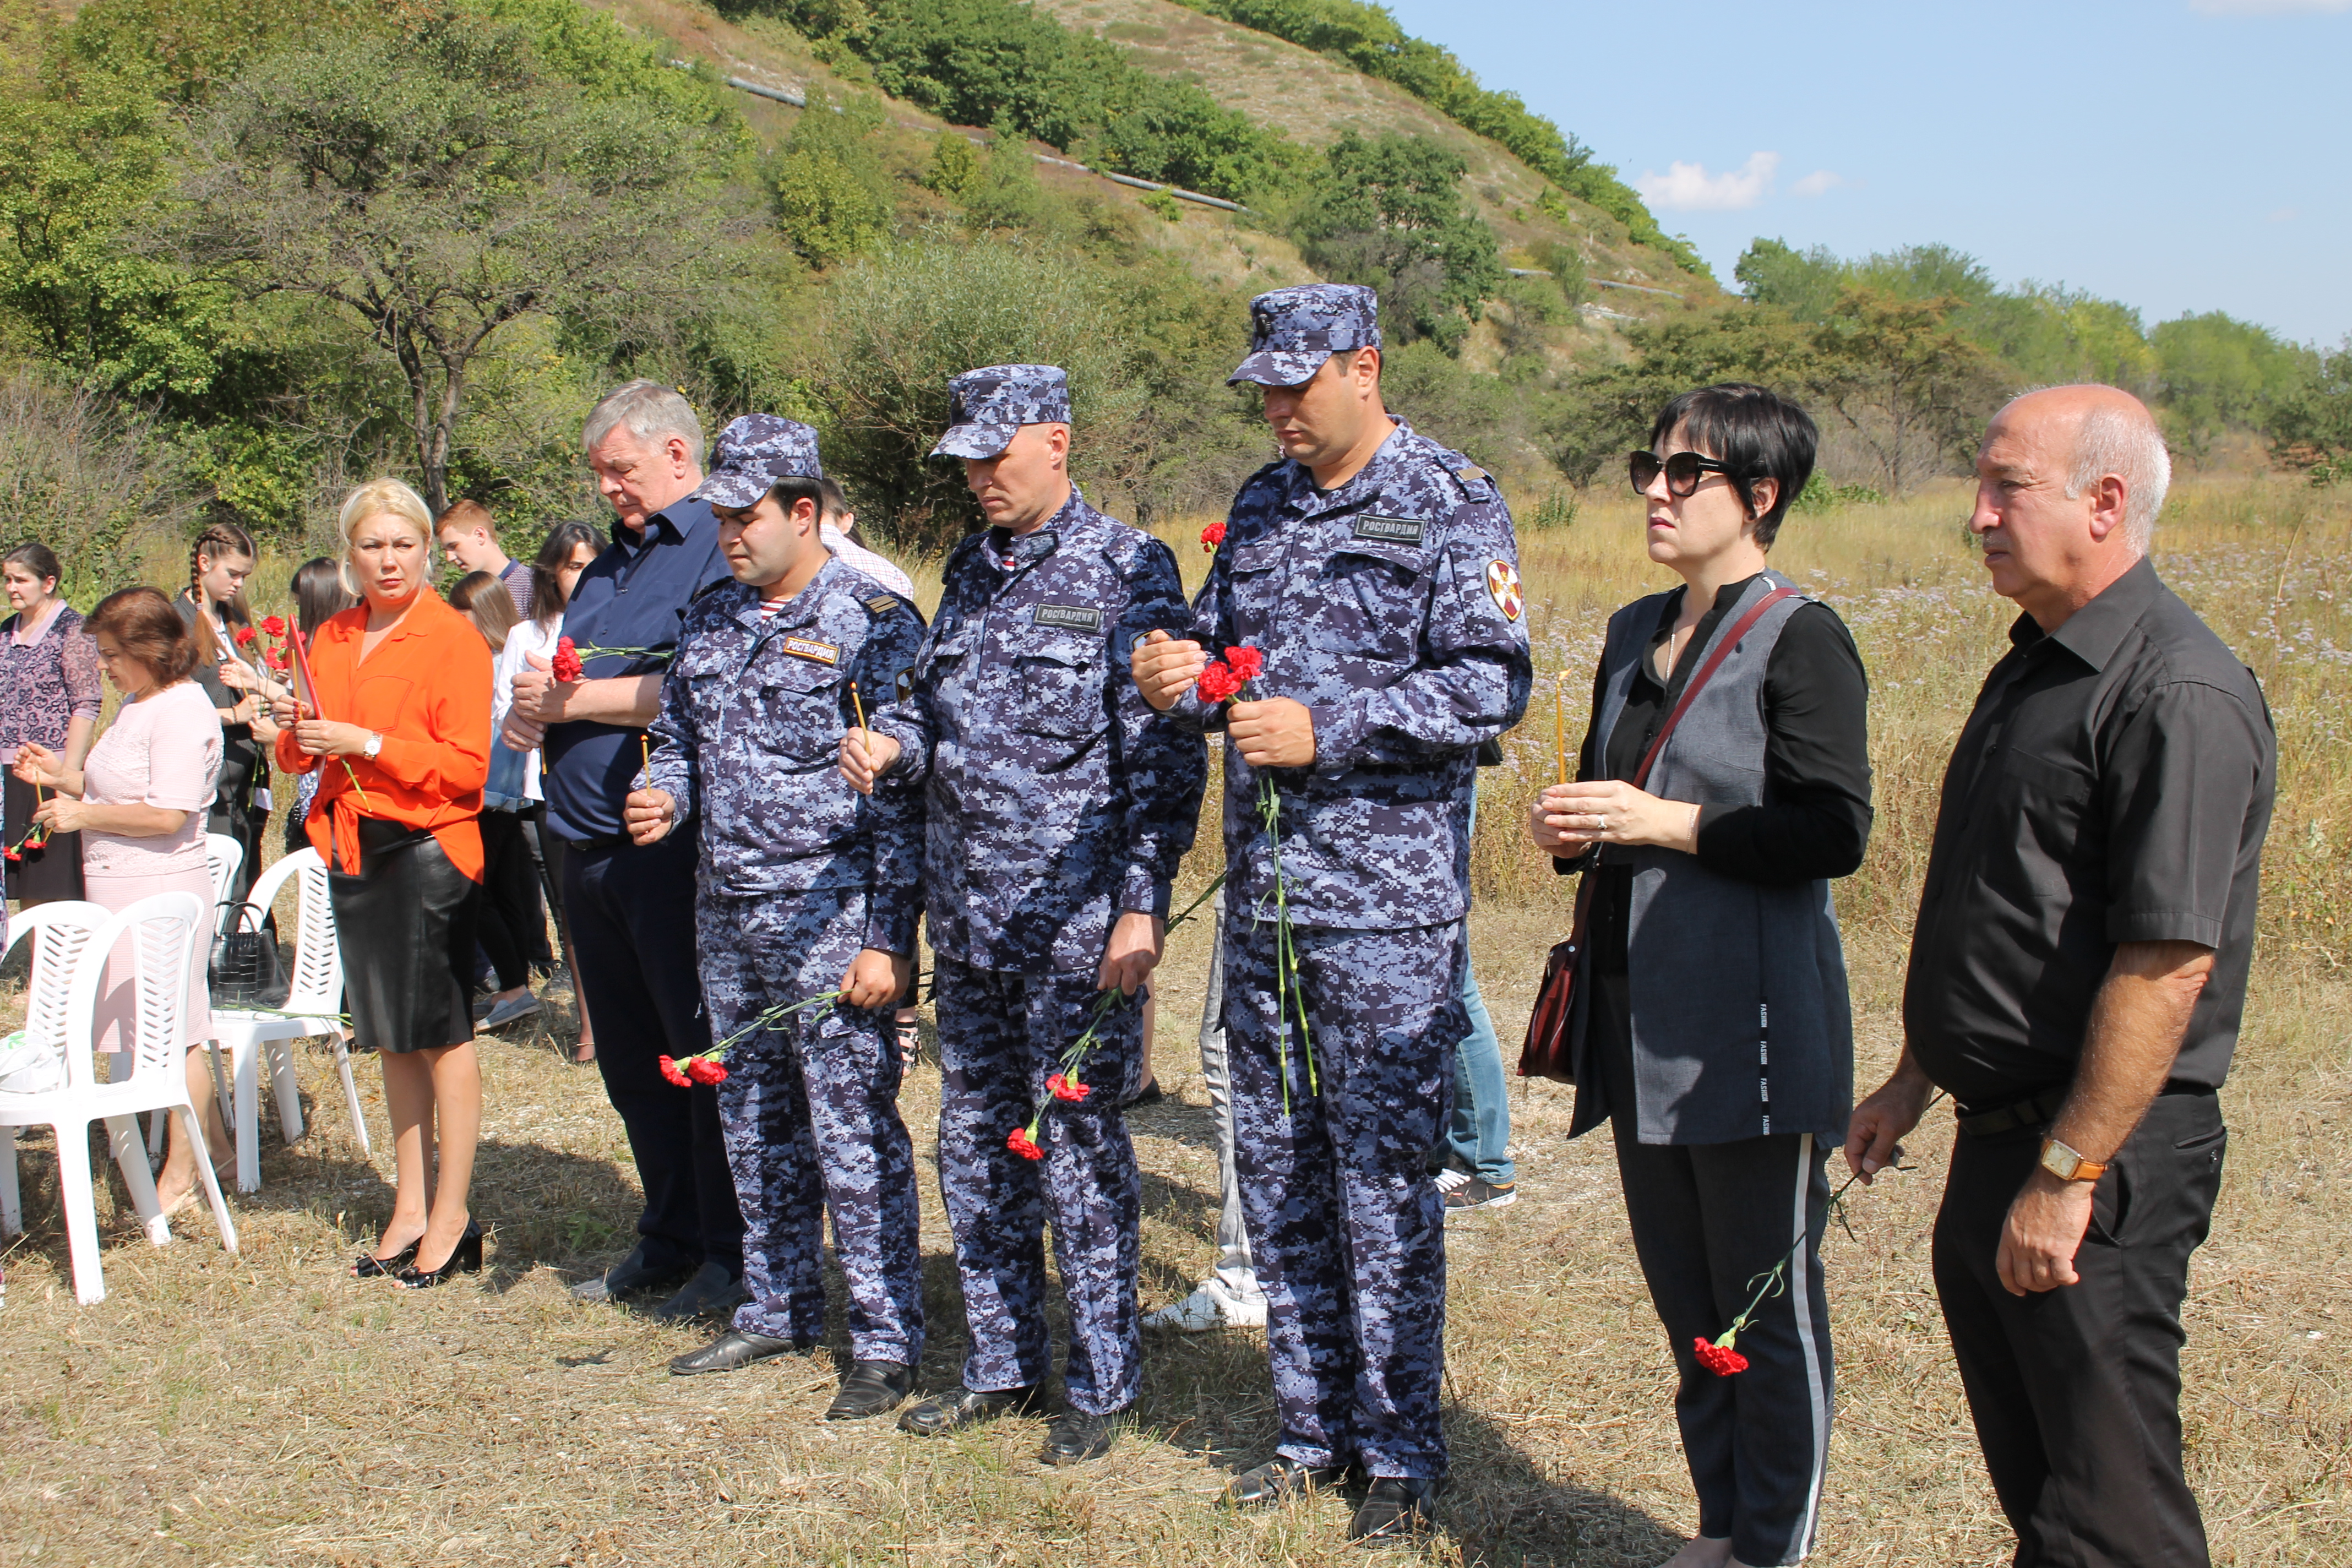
column 2076, row 1392
column 1710, row 1221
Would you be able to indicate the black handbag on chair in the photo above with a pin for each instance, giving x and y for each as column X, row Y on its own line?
column 245, row 971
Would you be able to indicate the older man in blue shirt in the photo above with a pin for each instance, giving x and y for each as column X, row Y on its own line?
column 631, row 908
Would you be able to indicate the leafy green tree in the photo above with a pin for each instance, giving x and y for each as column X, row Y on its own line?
column 2311, row 425
column 2220, row 375
column 439, row 187
column 1914, row 391
column 1605, row 411
column 1804, row 283
column 1389, row 213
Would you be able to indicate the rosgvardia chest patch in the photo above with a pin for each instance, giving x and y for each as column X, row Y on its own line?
column 1077, row 617
column 1391, row 529
column 813, row 650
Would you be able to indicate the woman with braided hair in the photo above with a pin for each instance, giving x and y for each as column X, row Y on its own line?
column 213, row 604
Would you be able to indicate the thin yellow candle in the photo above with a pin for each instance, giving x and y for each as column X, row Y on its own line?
column 1559, row 720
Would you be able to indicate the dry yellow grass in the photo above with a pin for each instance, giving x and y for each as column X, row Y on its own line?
column 267, row 1409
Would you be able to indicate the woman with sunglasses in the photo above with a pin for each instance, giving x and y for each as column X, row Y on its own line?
column 1711, row 1027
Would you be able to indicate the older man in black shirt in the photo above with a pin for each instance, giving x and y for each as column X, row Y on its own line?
column 2077, row 975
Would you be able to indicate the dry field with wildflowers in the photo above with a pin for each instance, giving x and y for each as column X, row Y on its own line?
column 264, row 1408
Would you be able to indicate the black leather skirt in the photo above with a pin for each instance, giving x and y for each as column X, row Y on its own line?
column 405, row 926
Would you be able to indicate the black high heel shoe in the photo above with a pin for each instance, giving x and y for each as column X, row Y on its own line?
column 367, row 1266
column 465, row 1258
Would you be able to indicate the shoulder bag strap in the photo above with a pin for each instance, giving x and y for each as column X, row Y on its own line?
column 1740, row 628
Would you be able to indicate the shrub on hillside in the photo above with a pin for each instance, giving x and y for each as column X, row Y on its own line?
column 903, row 321
column 833, row 198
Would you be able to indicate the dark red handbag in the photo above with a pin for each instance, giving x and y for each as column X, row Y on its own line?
column 1549, row 1050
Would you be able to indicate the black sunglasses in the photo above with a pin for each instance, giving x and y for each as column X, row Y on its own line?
column 1682, row 470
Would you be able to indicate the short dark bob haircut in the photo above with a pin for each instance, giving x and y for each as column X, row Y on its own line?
column 1756, row 434
column 148, row 630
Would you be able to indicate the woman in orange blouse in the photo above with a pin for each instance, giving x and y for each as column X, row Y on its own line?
column 399, row 728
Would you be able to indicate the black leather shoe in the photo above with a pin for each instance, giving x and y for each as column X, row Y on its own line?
column 961, row 1407
column 713, row 1291
column 632, row 1276
column 1077, row 1437
column 872, row 1388
column 730, row 1350
column 367, row 1266
column 1396, row 1509
column 1278, row 1480
column 465, row 1258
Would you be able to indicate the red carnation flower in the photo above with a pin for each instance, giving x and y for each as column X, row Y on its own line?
column 1720, row 1360
column 273, row 658
column 275, row 625
column 15, row 853
column 1248, row 663
column 702, row 1070
column 1061, row 1087
column 1023, row 1145
column 565, row 665
column 1218, row 682
column 669, row 1070
column 1213, row 536
column 244, row 636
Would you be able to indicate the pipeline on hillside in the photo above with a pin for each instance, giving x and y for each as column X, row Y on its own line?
column 800, row 101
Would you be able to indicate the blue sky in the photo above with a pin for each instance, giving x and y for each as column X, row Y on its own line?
column 2177, row 156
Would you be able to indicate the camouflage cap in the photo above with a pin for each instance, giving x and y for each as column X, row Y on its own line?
column 752, row 454
column 1294, row 330
column 986, row 407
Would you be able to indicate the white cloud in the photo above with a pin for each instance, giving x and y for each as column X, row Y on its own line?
column 1688, row 187
column 2269, row 7
column 1820, row 183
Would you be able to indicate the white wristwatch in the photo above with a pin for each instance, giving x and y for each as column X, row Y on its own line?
column 374, row 744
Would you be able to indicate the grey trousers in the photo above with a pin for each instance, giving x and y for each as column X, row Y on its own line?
column 1235, row 1278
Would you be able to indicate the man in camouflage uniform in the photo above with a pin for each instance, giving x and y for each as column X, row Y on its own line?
column 1378, row 573
column 806, row 886
column 1057, row 806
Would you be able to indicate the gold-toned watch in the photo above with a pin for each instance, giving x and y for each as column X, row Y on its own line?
column 2069, row 1166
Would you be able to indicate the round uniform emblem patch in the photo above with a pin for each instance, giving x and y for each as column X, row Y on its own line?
column 1503, row 582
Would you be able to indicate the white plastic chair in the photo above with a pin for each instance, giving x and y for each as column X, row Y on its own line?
column 225, row 856
column 166, row 941
column 314, row 1007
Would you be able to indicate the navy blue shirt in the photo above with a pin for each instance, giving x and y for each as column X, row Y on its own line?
column 633, row 595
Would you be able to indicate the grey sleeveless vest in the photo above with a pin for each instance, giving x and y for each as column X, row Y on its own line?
column 1742, row 1025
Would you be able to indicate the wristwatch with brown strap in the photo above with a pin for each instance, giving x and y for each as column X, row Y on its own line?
column 2069, row 1166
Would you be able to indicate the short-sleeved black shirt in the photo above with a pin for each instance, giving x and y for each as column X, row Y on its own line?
column 2112, row 785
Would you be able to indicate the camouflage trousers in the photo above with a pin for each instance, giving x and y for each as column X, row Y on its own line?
column 1001, row 1035
column 1348, row 1231
column 811, row 1116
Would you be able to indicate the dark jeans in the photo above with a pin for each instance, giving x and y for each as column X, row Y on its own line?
column 2076, row 1391
column 631, row 916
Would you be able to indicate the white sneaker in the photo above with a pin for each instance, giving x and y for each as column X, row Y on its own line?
column 1449, row 1179
column 1204, row 1310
